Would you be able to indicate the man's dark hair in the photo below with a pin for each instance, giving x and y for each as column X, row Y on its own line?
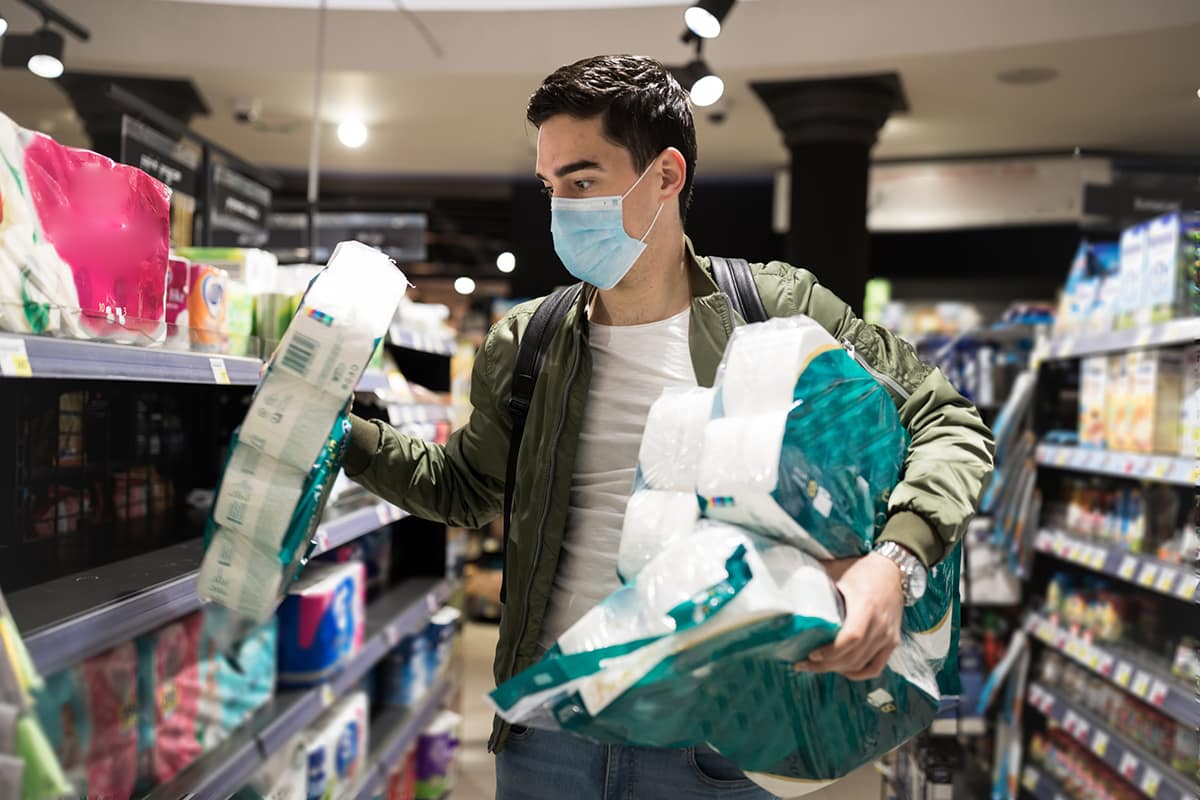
column 643, row 108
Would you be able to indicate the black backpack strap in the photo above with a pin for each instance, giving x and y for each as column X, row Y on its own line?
column 531, row 354
column 736, row 282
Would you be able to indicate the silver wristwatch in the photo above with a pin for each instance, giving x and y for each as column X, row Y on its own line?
column 913, row 576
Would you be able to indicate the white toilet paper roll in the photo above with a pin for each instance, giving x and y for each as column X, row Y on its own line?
column 741, row 455
column 290, row 421
column 763, row 361
column 653, row 519
column 240, row 576
column 669, row 457
column 257, row 496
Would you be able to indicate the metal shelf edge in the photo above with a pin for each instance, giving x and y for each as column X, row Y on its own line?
column 1041, row 784
column 1170, row 580
column 1154, row 467
column 1177, row 331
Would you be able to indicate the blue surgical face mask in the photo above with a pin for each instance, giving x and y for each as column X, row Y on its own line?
column 590, row 238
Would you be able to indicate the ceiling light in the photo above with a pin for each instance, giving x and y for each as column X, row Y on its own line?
column 352, row 132
column 3, row 25
column 464, row 285
column 705, row 17
column 506, row 262
column 707, row 89
column 45, row 58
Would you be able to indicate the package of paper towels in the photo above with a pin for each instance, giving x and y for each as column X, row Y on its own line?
column 698, row 647
column 287, row 453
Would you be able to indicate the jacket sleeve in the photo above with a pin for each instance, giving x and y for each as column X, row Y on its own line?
column 950, row 455
column 460, row 483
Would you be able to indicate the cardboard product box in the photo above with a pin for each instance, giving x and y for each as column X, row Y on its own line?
column 1189, row 418
column 1132, row 270
column 1155, row 407
column 1117, row 396
column 1170, row 262
column 1092, row 380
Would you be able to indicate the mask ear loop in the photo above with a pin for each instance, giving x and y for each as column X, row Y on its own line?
column 656, row 215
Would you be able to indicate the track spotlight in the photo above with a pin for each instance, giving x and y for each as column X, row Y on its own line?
column 45, row 57
column 3, row 25
column 704, row 86
column 704, row 18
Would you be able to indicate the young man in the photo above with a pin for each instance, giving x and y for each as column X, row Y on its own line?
column 616, row 153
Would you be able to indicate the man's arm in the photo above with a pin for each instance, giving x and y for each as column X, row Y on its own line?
column 460, row 483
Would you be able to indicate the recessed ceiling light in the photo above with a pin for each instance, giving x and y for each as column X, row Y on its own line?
column 464, row 285
column 3, row 25
column 1027, row 76
column 352, row 132
column 506, row 262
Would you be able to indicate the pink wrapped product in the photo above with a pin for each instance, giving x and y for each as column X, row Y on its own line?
column 84, row 242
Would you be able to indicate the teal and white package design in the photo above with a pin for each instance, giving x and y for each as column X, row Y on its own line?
column 285, row 456
column 794, row 455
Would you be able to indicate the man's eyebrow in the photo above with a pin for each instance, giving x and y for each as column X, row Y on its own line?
column 574, row 166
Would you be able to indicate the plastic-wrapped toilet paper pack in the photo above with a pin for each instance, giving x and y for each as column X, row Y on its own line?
column 653, row 519
column 284, row 459
column 669, row 456
column 817, row 470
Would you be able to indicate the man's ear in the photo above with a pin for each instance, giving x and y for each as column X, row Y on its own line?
column 674, row 173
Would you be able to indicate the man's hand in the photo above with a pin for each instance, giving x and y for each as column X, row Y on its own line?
column 871, row 586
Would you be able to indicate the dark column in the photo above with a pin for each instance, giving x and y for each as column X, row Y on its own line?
column 829, row 127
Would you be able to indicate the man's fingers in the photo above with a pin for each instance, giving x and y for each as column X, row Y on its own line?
column 874, row 667
column 850, row 651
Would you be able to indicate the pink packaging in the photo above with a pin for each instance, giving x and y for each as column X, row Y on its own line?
column 112, row 691
column 179, row 285
column 321, row 622
column 170, row 688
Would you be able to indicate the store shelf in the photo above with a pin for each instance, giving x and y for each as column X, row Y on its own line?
column 394, row 732
column 1155, row 779
column 967, row 726
column 423, row 342
column 1173, row 580
column 1040, row 785
column 226, row 768
column 1139, row 466
column 1179, row 331
column 66, row 620
column 46, row 357
column 1161, row 690
column 400, row 413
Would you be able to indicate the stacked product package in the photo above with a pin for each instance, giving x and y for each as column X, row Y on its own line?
column 83, row 243
column 284, row 458
column 742, row 491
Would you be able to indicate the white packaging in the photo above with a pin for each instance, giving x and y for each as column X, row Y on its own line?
column 255, row 489
column 240, row 575
column 669, row 456
column 1161, row 284
column 1093, row 379
column 762, row 363
column 1189, row 439
column 1132, row 272
column 290, row 421
column 337, row 747
column 653, row 519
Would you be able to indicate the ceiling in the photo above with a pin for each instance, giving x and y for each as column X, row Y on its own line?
column 1128, row 73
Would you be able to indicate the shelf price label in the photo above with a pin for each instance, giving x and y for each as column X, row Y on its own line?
column 1166, row 581
column 1141, row 685
column 1129, row 765
column 219, row 372
column 1150, row 781
column 1128, row 568
column 1062, row 458
column 1029, row 780
column 327, row 697
column 1124, row 675
column 1187, row 587
column 1100, row 743
column 1099, row 557
column 1148, row 574
column 383, row 513
column 1106, row 664
column 14, row 360
column 1158, row 693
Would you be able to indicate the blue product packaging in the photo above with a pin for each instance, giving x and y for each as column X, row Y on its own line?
column 237, row 672
column 321, row 623
column 442, row 628
column 408, row 675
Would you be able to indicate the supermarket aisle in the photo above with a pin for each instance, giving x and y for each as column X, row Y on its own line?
column 477, row 778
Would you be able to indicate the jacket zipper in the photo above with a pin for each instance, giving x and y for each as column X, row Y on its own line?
column 886, row 380
column 537, row 549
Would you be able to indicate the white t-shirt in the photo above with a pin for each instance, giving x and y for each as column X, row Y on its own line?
column 631, row 365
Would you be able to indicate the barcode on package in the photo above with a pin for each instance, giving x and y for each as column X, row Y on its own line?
column 237, row 512
column 299, row 354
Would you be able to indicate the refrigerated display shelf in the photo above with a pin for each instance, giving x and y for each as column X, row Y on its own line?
column 1139, row 466
column 1041, row 785
column 66, row 620
column 394, row 732
column 226, row 768
column 1179, row 331
column 1152, row 777
column 1163, row 691
column 46, row 357
column 1173, row 580
column 424, row 342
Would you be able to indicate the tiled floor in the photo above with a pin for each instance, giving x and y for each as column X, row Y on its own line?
column 477, row 778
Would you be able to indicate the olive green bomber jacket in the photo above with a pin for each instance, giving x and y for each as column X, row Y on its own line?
column 462, row 482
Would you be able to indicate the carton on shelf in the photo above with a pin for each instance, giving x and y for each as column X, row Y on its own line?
column 1189, row 439
column 1155, row 406
column 1117, row 402
column 1132, row 270
column 1092, row 379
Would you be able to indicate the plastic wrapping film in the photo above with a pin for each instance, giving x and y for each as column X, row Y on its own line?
column 84, row 242
column 285, row 457
column 699, row 646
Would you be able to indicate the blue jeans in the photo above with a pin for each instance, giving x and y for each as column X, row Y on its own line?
column 550, row 765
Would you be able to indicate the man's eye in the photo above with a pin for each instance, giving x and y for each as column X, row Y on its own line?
column 583, row 185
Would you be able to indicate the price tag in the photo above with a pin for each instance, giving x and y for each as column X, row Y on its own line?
column 1105, row 462
column 1124, row 675
column 1187, row 587
column 1075, row 552
column 383, row 513
column 326, row 695
column 1100, row 743
column 1082, row 729
column 14, row 360
column 1066, row 347
column 1144, row 337
column 1194, row 475
column 1147, row 575
column 1029, row 779
column 1093, row 661
column 391, row 636
column 431, row 602
column 1160, row 468
column 1150, row 781
column 1166, row 581
column 322, row 539
column 1070, row 722
column 1129, row 765
column 1141, row 685
column 1106, row 664
column 1128, row 568
column 219, row 373
column 1099, row 559
column 1062, row 458
column 1158, row 693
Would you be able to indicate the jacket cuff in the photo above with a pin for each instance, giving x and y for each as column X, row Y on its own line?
column 365, row 439
column 910, row 530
